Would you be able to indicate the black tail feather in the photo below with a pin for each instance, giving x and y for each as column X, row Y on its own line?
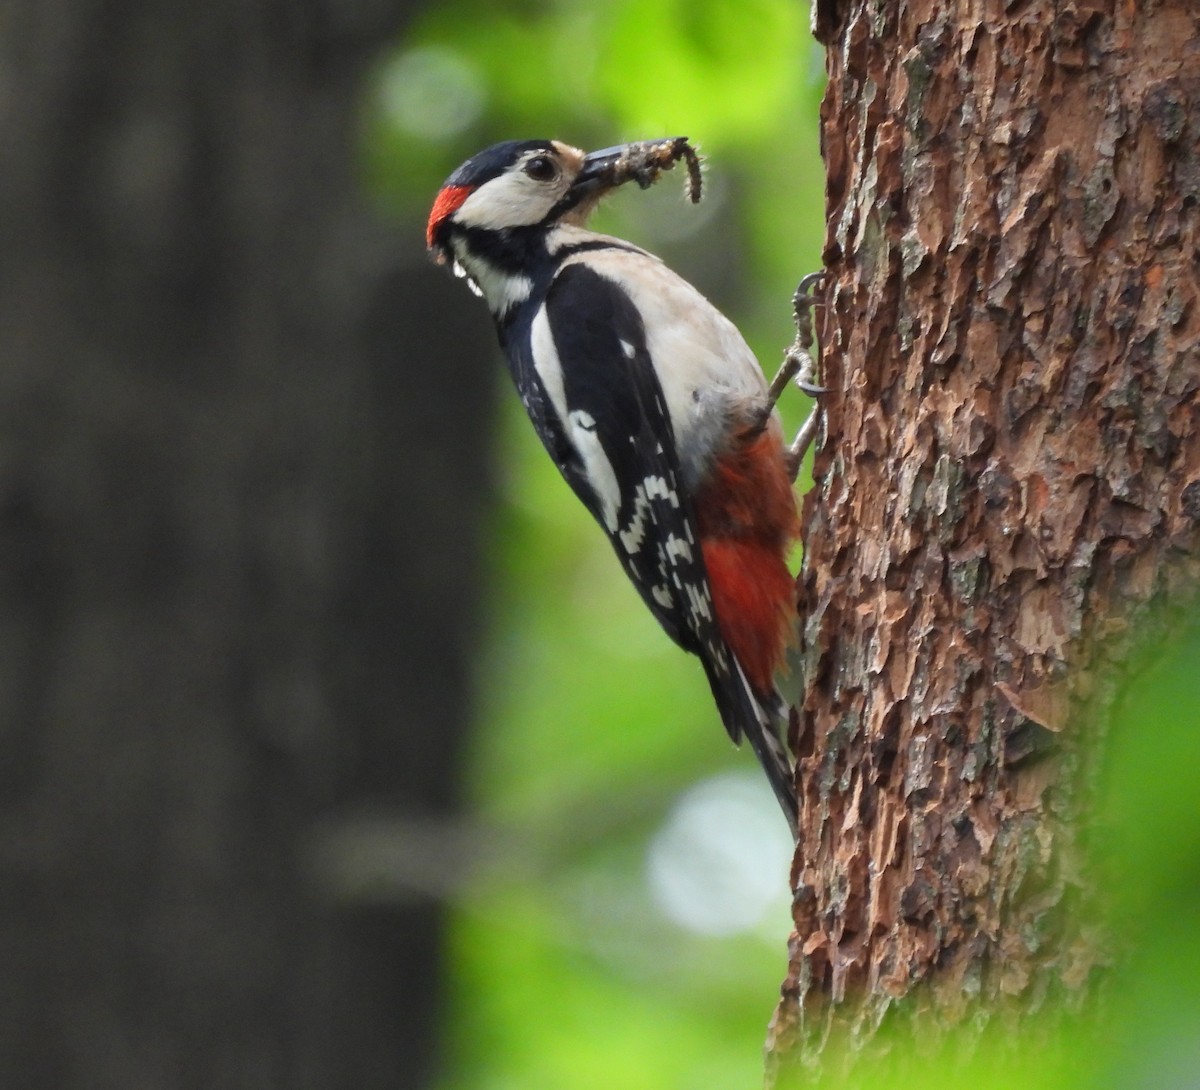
column 746, row 716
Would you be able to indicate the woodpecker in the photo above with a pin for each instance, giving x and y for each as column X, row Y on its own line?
column 651, row 404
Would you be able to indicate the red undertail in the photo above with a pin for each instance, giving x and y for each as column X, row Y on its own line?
column 747, row 520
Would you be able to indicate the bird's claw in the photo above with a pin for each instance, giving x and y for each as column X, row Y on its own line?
column 801, row 366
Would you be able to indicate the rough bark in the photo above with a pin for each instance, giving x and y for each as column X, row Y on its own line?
column 238, row 522
column 1010, row 482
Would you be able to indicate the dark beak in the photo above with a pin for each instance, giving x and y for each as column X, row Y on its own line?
column 599, row 171
column 641, row 161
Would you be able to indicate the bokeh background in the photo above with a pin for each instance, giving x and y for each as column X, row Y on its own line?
column 632, row 927
column 334, row 749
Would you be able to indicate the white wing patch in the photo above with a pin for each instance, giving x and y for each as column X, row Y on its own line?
column 579, row 425
column 546, row 362
column 600, row 473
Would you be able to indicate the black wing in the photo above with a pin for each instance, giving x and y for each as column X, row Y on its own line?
column 612, row 393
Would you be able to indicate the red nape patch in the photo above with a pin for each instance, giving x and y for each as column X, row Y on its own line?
column 755, row 601
column 448, row 201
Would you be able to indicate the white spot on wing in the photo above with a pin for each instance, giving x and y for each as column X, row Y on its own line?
column 635, row 533
column 657, row 488
column 698, row 602
column 676, row 547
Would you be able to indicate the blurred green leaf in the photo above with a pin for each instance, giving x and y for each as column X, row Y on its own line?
column 727, row 68
column 591, row 723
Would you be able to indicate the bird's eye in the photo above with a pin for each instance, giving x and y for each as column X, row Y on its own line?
column 541, row 168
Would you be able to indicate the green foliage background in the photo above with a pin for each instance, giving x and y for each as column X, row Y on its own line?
column 567, row 972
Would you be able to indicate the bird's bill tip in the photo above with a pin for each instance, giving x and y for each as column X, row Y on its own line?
column 611, row 167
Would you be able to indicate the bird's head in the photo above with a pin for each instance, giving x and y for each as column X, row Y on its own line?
column 534, row 184
column 519, row 183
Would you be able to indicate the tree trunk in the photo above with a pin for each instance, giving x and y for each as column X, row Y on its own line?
column 1010, row 482
column 238, row 520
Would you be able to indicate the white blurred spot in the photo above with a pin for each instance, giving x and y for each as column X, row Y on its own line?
column 719, row 865
column 431, row 92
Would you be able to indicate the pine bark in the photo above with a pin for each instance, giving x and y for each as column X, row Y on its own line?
column 1008, row 488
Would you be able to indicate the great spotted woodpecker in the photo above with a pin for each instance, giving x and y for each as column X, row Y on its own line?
column 650, row 403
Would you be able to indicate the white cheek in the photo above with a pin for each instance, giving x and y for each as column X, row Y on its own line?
column 512, row 200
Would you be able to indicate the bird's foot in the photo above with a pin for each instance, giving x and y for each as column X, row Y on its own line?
column 801, row 366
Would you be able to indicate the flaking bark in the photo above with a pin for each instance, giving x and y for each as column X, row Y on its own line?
column 1009, row 485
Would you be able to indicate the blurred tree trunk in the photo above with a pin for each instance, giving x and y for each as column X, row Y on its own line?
column 1010, row 483
column 239, row 529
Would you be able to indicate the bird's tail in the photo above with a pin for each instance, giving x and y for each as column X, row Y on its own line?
column 760, row 723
